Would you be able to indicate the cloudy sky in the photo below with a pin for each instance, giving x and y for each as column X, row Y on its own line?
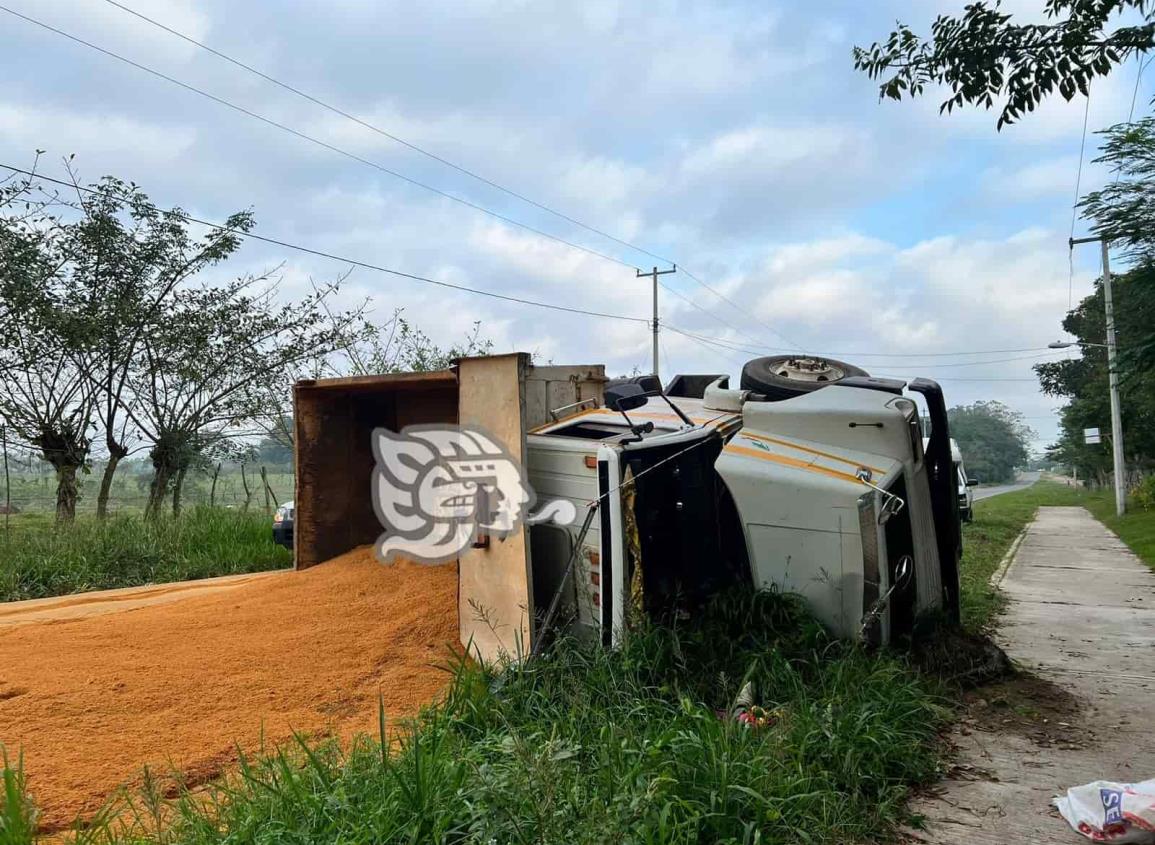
column 734, row 138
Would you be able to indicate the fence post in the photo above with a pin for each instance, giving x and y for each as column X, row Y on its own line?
column 265, row 482
column 245, row 484
column 213, row 489
column 7, row 482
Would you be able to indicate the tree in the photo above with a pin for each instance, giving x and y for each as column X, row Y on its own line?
column 1124, row 210
column 126, row 258
column 45, row 398
column 204, row 367
column 993, row 439
column 984, row 56
column 1083, row 381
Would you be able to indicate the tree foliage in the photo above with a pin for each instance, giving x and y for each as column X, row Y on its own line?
column 985, row 58
column 105, row 328
column 992, row 437
column 127, row 258
column 206, row 363
column 46, row 399
column 1083, row 381
column 1124, row 210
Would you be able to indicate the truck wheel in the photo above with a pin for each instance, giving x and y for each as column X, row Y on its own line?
column 784, row 376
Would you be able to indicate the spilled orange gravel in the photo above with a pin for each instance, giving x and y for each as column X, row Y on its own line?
column 93, row 688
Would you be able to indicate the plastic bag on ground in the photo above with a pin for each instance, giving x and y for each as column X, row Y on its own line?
column 1111, row 812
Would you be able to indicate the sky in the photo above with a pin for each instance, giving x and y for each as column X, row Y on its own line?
column 735, row 139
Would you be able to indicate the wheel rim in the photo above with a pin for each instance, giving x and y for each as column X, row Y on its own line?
column 809, row 369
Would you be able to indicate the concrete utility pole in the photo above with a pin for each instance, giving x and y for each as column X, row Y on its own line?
column 654, row 325
column 1112, row 378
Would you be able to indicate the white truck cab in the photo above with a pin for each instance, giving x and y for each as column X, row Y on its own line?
column 829, row 493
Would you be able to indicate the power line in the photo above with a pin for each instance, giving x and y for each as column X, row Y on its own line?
column 384, row 133
column 719, row 354
column 698, row 307
column 744, row 311
column 442, row 160
column 978, row 380
column 317, row 141
column 761, row 350
column 891, row 375
column 344, row 259
column 1142, row 66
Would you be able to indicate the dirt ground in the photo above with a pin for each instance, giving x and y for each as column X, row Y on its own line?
column 93, row 688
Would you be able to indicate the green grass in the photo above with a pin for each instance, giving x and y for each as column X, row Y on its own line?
column 17, row 813
column 38, row 559
column 998, row 521
column 590, row 746
column 1136, row 527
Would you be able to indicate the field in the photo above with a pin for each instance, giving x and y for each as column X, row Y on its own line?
column 37, row 560
column 589, row 746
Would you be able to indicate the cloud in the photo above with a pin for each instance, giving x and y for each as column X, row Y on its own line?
column 118, row 30
column 26, row 127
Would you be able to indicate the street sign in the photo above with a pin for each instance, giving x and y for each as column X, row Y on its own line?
column 1091, row 435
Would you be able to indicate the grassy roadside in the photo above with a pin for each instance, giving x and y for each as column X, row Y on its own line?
column 1136, row 528
column 37, row 561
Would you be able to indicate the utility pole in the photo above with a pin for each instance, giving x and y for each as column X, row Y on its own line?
column 1112, row 378
column 654, row 325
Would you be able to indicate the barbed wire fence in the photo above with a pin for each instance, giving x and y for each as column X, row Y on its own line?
column 30, row 486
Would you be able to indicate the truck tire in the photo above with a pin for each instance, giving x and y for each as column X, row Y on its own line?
column 780, row 377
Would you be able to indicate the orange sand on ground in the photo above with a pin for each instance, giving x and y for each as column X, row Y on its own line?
column 92, row 700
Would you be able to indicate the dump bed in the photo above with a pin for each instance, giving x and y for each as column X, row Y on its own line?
column 503, row 396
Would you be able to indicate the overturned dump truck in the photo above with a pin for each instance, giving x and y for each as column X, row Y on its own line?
column 811, row 478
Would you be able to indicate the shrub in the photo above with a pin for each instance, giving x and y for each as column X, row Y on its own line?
column 1143, row 494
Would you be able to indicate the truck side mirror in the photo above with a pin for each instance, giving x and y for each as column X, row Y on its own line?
column 625, row 397
column 972, row 481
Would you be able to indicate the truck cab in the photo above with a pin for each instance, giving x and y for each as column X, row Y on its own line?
column 830, row 494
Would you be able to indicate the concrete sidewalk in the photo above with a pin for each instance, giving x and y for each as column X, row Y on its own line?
column 1081, row 615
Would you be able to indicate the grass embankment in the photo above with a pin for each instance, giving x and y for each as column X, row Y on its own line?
column 590, row 746
column 39, row 560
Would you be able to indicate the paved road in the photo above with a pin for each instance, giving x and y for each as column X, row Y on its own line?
column 1082, row 617
column 1025, row 479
